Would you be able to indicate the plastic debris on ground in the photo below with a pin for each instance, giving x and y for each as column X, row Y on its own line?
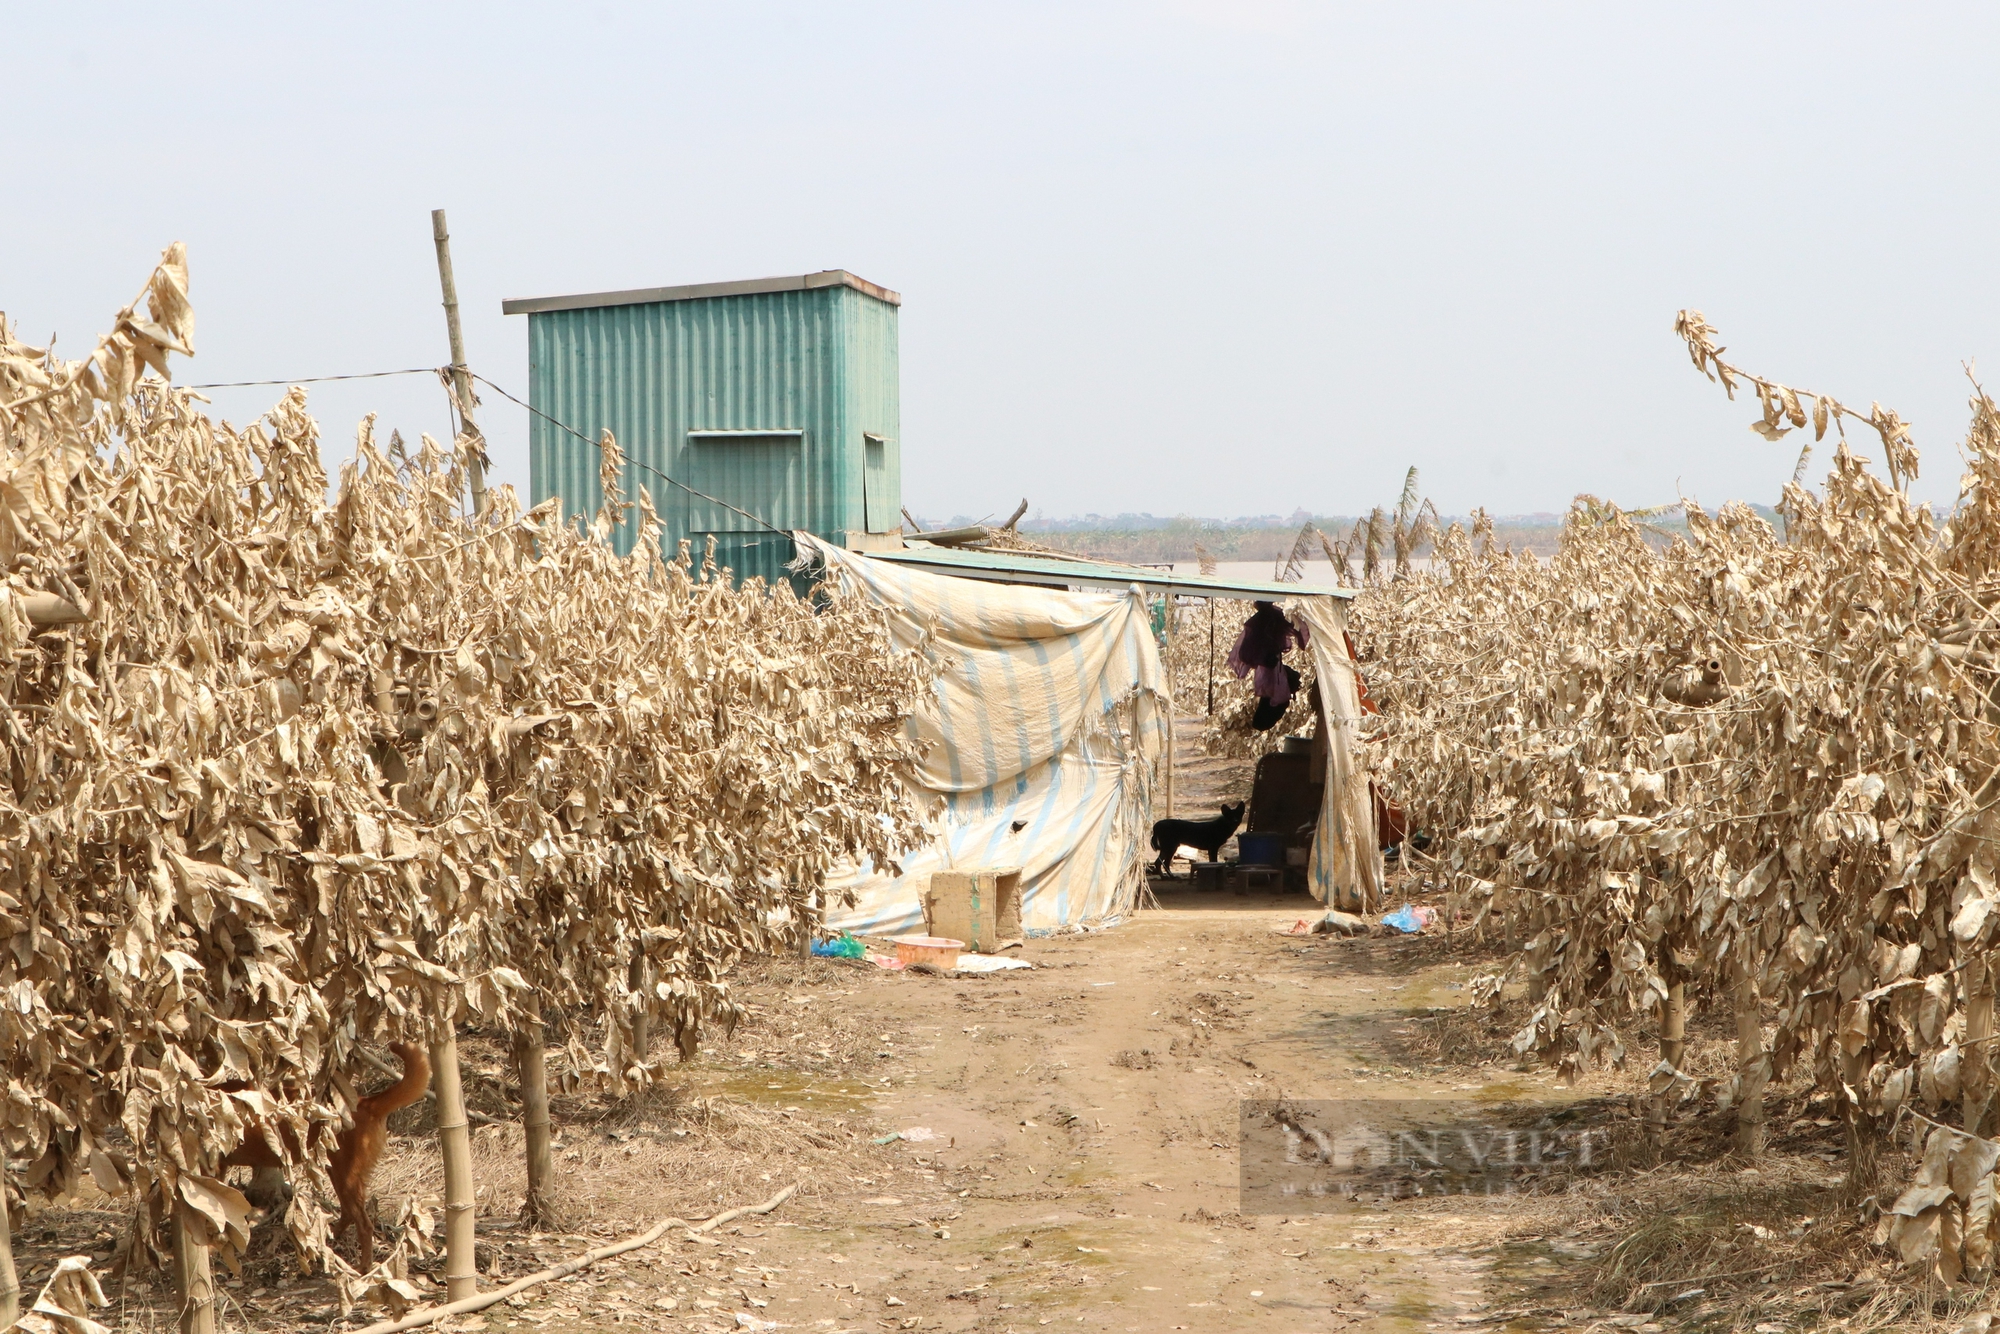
column 1409, row 919
column 989, row 963
column 1334, row 923
column 914, row 1135
column 845, row 947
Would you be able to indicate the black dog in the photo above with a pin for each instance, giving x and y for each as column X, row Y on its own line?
column 1169, row 836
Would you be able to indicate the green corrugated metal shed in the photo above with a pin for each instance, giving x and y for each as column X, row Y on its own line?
column 777, row 396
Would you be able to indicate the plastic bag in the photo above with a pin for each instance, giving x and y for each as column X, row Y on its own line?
column 1409, row 919
column 845, row 947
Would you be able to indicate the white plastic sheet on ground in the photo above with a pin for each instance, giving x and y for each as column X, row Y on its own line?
column 1346, row 868
column 1027, row 731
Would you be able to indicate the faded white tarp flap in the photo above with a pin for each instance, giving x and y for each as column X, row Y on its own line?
column 1047, row 717
column 1346, row 867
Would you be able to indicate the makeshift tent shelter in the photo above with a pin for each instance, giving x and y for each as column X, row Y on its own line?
column 1030, row 754
column 1051, row 728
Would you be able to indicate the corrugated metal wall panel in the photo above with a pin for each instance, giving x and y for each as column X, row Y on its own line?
column 876, row 397
column 821, row 361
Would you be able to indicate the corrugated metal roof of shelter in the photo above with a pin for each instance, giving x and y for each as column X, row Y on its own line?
column 1024, row 567
column 641, row 296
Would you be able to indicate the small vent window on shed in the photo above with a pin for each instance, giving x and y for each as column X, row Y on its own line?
column 880, row 497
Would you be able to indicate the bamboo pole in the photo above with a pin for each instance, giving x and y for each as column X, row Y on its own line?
column 460, row 1272
column 531, row 1062
column 460, row 373
column 418, row 1319
column 192, row 1278
column 10, row 1280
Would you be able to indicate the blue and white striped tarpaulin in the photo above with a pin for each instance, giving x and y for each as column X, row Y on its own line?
column 1049, row 716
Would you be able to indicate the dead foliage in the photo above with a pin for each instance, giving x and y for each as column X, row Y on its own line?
column 284, row 775
column 1742, row 772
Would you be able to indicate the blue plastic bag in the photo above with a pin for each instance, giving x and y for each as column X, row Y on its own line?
column 1407, row 919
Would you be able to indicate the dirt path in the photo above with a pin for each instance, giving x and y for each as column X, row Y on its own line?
column 1085, row 1166
column 1100, row 1095
column 1084, row 1170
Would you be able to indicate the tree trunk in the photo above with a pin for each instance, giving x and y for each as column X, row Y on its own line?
column 530, row 1061
column 191, row 1274
column 1753, row 1063
column 1673, row 1041
column 642, row 1023
column 1976, row 1076
column 687, row 1035
column 1538, row 981
column 10, row 1281
column 460, row 1272
column 1864, row 1161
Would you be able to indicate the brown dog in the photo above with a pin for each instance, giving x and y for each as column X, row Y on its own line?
column 358, row 1150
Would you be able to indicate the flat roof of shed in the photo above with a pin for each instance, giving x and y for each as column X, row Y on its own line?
column 1027, row 568
column 642, row 296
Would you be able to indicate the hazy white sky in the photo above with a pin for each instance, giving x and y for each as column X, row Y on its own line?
column 1204, row 257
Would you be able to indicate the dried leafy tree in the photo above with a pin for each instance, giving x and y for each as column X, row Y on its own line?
column 1743, row 770
column 283, row 777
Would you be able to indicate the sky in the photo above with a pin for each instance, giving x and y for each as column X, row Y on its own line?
column 1178, row 257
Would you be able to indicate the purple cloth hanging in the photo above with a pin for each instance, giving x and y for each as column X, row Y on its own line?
column 1260, row 649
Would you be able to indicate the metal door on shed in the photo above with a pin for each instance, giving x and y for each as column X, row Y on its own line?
column 748, row 478
column 880, row 502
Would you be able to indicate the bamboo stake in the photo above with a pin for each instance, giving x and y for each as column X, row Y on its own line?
column 418, row 1319
column 10, row 1281
column 461, row 379
column 530, row 1059
column 191, row 1273
column 461, row 1274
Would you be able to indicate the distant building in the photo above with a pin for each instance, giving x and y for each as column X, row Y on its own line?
column 775, row 399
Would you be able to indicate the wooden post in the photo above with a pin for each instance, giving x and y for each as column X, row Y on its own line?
column 191, row 1273
column 461, row 377
column 10, row 1281
column 461, row 1274
column 530, row 1062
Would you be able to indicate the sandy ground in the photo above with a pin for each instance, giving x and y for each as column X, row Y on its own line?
column 1084, row 1168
